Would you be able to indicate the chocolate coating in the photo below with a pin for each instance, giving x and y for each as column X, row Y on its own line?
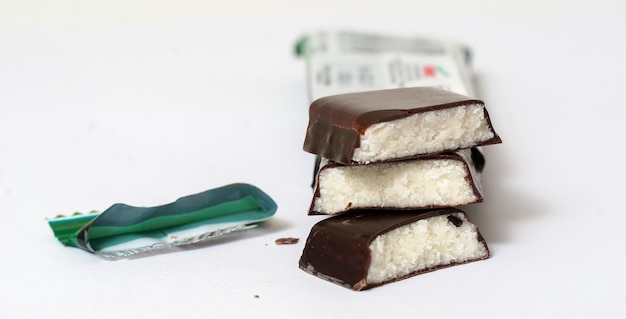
column 337, row 122
column 337, row 249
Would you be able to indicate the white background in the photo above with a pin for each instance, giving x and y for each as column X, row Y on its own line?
column 142, row 102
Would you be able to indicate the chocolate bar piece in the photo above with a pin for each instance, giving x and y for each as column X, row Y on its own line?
column 442, row 180
column 395, row 124
column 371, row 248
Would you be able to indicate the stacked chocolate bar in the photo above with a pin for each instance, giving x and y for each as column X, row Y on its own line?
column 393, row 165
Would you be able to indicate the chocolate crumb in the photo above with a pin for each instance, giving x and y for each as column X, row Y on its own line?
column 286, row 241
column 256, row 296
column 455, row 220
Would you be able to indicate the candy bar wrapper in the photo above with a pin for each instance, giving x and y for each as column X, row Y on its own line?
column 346, row 62
column 123, row 230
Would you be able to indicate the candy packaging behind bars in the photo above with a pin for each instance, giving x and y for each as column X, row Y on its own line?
column 346, row 62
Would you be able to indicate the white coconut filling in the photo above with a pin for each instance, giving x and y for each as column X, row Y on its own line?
column 421, row 245
column 424, row 133
column 414, row 183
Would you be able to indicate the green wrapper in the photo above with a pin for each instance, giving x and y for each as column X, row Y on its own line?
column 123, row 230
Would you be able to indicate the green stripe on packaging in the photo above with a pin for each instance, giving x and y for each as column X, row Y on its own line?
column 224, row 209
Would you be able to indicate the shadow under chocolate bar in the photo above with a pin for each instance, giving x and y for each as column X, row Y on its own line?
column 366, row 249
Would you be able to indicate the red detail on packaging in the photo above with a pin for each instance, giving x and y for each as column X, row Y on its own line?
column 429, row 71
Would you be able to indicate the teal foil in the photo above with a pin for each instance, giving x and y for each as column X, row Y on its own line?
column 123, row 230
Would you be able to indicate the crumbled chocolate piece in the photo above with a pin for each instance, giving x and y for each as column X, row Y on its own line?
column 286, row 241
column 455, row 220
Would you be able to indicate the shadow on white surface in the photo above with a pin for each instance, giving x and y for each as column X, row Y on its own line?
column 506, row 208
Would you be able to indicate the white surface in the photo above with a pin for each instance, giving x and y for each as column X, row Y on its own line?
column 142, row 102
